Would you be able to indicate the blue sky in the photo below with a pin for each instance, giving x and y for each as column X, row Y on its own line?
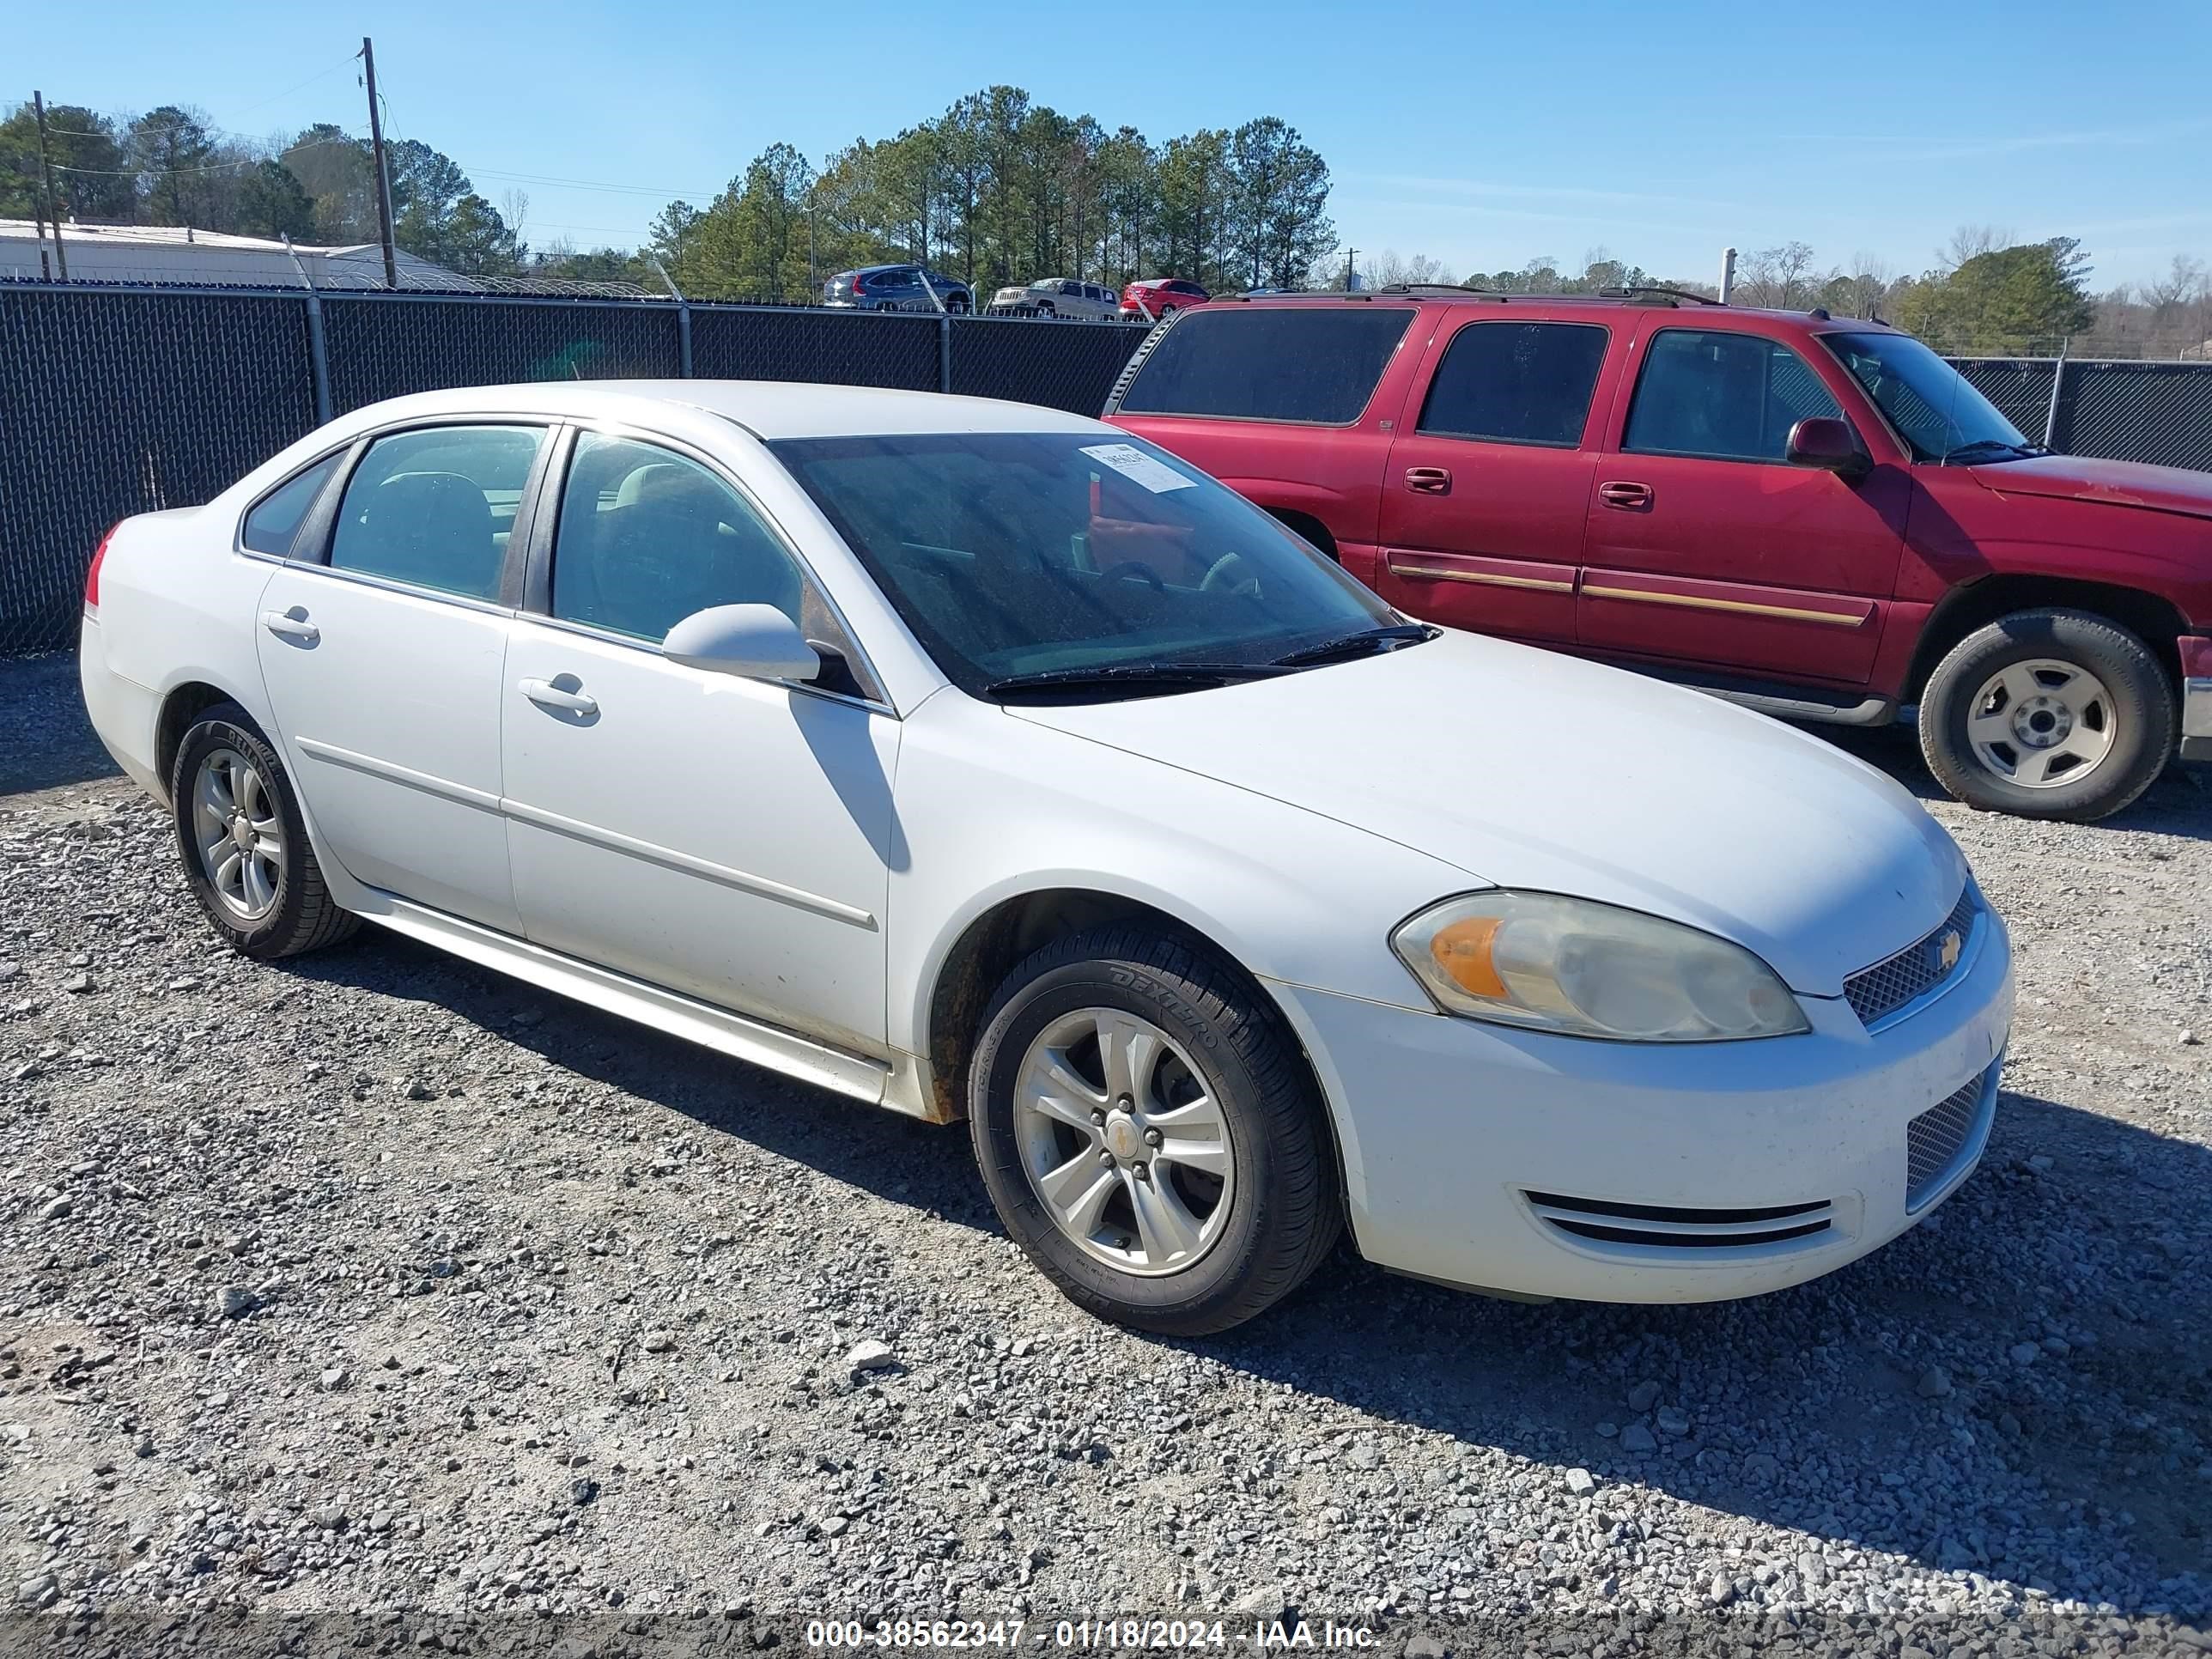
column 1483, row 136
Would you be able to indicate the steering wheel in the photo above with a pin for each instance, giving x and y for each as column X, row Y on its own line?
column 1133, row 568
column 1223, row 576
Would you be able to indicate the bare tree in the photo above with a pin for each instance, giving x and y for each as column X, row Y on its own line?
column 2184, row 284
column 1776, row 277
column 1390, row 267
column 1970, row 241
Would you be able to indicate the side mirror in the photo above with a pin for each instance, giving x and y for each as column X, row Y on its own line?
column 1830, row 445
column 752, row 641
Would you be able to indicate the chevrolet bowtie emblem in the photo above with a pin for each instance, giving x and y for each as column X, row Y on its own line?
column 1947, row 953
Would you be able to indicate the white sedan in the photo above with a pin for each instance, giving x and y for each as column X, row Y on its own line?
column 978, row 761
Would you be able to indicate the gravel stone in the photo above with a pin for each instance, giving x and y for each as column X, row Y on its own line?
column 1637, row 1439
column 870, row 1355
column 1580, row 1483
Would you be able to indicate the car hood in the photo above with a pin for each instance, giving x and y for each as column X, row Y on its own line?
column 1530, row 770
column 2118, row 484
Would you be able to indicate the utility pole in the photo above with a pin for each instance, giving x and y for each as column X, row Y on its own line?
column 1728, row 275
column 1350, row 275
column 47, row 174
column 383, row 172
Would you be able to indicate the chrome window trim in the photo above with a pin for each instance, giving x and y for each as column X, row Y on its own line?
column 368, row 579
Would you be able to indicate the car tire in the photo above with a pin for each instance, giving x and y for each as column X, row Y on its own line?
column 259, row 882
column 1240, row 1203
column 2048, row 714
column 1045, row 312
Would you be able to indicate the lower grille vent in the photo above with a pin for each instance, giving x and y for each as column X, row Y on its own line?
column 1654, row 1226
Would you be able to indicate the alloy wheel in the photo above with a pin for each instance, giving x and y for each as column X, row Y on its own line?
column 1123, row 1145
column 238, row 834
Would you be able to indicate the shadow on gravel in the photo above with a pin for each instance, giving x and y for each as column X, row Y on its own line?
column 45, row 741
column 1813, row 1408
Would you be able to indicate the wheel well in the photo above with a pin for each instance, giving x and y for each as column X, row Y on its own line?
column 1309, row 527
column 178, row 710
column 2155, row 620
column 997, row 941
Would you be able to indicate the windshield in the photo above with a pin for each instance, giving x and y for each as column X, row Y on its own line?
column 1934, row 408
column 1014, row 553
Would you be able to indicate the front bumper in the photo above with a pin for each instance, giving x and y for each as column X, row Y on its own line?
column 2196, row 698
column 1499, row 1160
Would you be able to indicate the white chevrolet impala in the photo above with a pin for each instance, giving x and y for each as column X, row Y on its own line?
column 978, row 761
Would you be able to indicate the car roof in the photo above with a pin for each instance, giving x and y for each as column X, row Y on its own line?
column 768, row 409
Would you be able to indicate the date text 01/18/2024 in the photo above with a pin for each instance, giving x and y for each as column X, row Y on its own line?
column 1116, row 1635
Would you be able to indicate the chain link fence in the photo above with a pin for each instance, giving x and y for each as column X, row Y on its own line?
column 382, row 348
column 116, row 400
column 1062, row 365
column 117, row 403
column 874, row 347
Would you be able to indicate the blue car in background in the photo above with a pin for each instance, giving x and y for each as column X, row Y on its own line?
column 897, row 288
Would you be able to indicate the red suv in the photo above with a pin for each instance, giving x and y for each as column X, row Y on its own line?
column 1819, row 517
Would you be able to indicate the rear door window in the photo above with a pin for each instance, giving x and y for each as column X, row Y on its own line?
column 1724, row 396
column 1313, row 365
column 1517, row 383
column 433, row 508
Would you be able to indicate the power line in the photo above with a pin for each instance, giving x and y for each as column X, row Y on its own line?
column 587, row 184
column 212, row 166
column 183, row 126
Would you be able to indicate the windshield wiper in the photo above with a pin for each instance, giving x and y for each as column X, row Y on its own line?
column 1135, row 673
column 1990, row 448
column 1358, row 644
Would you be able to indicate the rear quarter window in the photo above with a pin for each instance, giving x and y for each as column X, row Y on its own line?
column 1312, row 364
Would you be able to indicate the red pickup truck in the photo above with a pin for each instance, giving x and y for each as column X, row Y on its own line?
column 1817, row 517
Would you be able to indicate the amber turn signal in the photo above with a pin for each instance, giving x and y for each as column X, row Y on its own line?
column 1463, row 950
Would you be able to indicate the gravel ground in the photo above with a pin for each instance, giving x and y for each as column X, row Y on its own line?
column 374, row 1288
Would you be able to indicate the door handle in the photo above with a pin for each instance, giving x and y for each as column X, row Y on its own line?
column 548, row 695
column 291, row 624
column 1429, row 480
column 1629, row 497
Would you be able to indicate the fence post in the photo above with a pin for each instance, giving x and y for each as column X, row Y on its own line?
column 318, row 361
column 2058, row 379
column 944, row 350
column 683, row 320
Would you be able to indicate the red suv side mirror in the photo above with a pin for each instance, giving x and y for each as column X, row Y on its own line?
column 1830, row 444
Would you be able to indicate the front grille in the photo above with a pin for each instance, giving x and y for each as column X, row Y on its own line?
column 1602, row 1221
column 1877, row 992
column 1935, row 1140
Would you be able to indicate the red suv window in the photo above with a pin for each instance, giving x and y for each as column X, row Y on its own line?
column 1515, row 383
column 1313, row 365
column 1725, row 397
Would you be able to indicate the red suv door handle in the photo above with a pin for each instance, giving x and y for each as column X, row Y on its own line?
column 1429, row 480
column 1630, row 498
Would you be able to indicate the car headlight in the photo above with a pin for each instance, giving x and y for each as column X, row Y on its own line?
column 1589, row 970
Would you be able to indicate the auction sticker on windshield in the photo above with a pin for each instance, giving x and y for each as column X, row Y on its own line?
column 1131, row 462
